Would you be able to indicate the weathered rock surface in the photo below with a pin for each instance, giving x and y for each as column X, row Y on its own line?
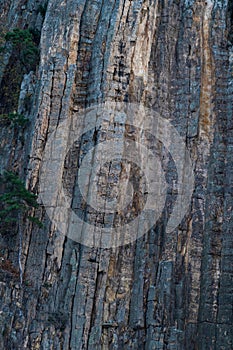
column 166, row 290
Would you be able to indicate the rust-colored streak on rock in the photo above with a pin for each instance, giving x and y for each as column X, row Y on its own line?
column 207, row 76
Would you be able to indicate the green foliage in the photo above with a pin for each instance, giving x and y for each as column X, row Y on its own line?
column 18, row 119
column 14, row 119
column 23, row 46
column 15, row 199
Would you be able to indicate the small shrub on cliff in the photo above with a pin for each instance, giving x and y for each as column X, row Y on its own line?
column 15, row 203
column 24, row 47
column 15, row 199
column 18, row 119
column 14, row 119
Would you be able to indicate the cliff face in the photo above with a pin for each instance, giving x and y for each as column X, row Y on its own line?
column 165, row 290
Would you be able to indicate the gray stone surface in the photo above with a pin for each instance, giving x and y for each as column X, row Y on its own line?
column 166, row 290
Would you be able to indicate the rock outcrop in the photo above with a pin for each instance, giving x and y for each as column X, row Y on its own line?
column 165, row 290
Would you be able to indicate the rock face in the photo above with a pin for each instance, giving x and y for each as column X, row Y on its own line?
column 165, row 290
